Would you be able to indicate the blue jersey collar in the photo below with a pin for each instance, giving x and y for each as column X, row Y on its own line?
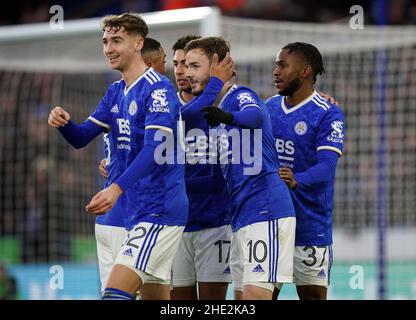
column 299, row 105
column 127, row 89
column 231, row 89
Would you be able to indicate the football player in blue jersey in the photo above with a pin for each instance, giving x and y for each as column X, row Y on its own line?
column 154, row 55
column 263, row 217
column 139, row 112
column 200, row 268
column 110, row 229
column 185, row 92
column 309, row 135
column 203, row 255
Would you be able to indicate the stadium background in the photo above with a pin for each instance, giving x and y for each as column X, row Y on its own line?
column 45, row 184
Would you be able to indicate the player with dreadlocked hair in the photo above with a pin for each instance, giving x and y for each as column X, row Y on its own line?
column 309, row 133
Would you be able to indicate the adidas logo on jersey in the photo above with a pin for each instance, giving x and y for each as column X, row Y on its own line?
column 114, row 109
column 128, row 252
column 258, row 268
column 227, row 270
column 321, row 274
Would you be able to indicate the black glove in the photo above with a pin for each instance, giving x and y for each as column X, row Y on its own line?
column 215, row 116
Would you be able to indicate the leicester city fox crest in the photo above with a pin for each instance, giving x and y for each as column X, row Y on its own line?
column 133, row 108
column 301, row 127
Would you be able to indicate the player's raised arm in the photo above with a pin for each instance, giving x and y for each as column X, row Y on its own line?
column 248, row 115
column 76, row 135
column 58, row 117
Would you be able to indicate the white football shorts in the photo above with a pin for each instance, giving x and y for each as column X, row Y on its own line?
column 109, row 241
column 203, row 256
column 262, row 254
column 149, row 248
column 312, row 265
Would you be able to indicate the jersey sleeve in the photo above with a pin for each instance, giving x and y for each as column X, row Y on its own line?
column 272, row 102
column 162, row 108
column 248, row 111
column 207, row 98
column 331, row 131
column 102, row 114
column 247, row 99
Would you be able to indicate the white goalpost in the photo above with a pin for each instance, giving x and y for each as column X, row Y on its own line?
column 77, row 46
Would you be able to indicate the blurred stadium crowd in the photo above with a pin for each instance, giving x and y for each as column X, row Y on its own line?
column 399, row 11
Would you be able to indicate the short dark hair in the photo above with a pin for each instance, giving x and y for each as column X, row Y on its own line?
column 183, row 41
column 130, row 21
column 310, row 54
column 150, row 45
column 210, row 45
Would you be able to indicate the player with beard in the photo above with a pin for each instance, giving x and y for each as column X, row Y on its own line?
column 309, row 133
column 200, row 268
column 263, row 221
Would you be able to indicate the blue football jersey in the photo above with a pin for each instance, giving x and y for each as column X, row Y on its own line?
column 126, row 112
column 116, row 217
column 300, row 132
column 250, row 165
column 205, row 210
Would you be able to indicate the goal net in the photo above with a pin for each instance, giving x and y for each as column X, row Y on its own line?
column 45, row 184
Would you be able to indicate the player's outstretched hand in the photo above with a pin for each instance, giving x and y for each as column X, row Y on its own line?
column 104, row 200
column 328, row 97
column 103, row 169
column 223, row 70
column 287, row 176
column 214, row 116
column 58, row 117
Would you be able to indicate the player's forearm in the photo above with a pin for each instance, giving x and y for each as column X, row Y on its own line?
column 144, row 163
column 322, row 172
column 80, row 135
column 207, row 98
column 250, row 118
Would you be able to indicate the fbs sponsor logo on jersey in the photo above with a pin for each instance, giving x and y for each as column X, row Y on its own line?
column 159, row 103
column 128, row 253
column 336, row 135
column 258, row 268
